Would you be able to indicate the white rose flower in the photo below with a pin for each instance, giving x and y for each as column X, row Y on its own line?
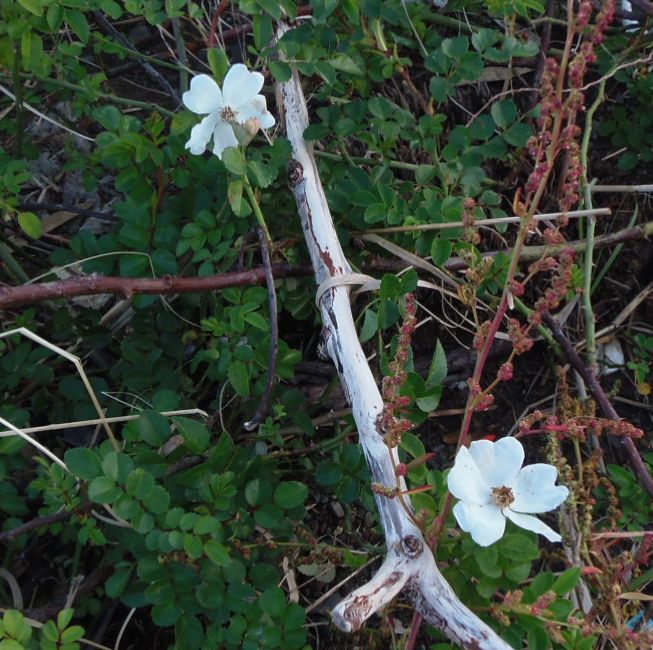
column 492, row 485
column 238, row 103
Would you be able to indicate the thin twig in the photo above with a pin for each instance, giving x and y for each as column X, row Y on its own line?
column 597, row 392
column 40, row 522
column 547, row 216
column 149, row 70
column 264, row 406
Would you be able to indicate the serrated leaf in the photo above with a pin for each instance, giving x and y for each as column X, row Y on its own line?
column 566, row 582
column 455, row 47
column 195, row 434
column 234, row 160
column 103, row 490
column 78, row 23
column 83, row 463
column 280, row 70
column 117, row 466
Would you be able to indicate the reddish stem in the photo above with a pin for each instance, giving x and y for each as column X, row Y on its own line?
column 210, row 41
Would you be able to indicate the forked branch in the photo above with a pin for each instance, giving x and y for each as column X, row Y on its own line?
column 409, row 565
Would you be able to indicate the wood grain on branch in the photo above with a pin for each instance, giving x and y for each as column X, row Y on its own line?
column 92, row 285
column 409, row 565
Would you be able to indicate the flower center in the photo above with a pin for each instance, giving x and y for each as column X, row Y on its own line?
column 503, row 496
column 228, row 114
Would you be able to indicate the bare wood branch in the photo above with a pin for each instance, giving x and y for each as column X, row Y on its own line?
column 409, row 563
column 91, row 285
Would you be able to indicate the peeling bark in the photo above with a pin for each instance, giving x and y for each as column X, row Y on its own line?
column 409, row 564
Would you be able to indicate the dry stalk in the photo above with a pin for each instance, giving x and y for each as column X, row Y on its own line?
column 409, row 565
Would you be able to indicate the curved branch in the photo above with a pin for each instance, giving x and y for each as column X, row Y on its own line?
column 409, row 563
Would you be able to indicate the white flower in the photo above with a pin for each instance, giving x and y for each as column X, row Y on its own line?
column 491, row 484
column 238, row 103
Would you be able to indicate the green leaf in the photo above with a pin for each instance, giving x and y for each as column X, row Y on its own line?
column 139, row 483
column 54, row 17
column 290, row 494
column 257, row 491
column 111, row 8
column 273, row 601
column 72, row 634
column 504, row 112
column 370, row 326
column 428, row 403
column 263, row 31
column 424, row 173
column 390, row 287
column 567, row 581
column 108, row 116
column 517, row 134
column 487, row 560
column 441, row 251
column 455, row 47
column 412, row 444
column 83, row 463
column 280, row 70
column 117, row 466
column 239, row 378
column 235, row 195
column 234, row 160
column 31, row 48
column 117, row 583
column 217, row 553
column 33, row 6
column 269, row 516
column 78, row 23
column 218, row 62
column 153, row 428
column 195, row 434
column 103, row 490
column 438, row 370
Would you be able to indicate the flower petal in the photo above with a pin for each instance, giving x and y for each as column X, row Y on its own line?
column 204, row 95
column 534, row 489
column 465, row 481
column 241, row 85
column 532, row 523
column 223, row 137
column 256, row 109
column 485, row 523
column 201, row 134
column 499, row 462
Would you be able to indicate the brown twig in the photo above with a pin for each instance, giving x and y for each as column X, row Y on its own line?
column 597, row 392
column 92, row 285
column 264, row 406
column 210, row 41
column 40, row 522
